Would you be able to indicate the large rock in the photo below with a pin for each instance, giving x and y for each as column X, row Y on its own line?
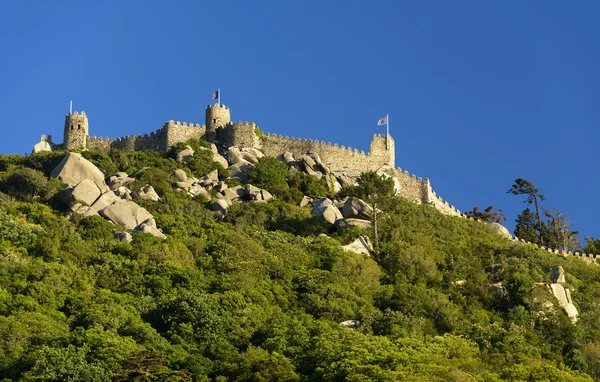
column 216, row 157
column 127, row 214
column 179, row 175
column 185, row 155
column 220, row 206
column 74, row 168
column 149, row 226
column 234, row 156
column 42, row 146
column 123, row 237
column 220, row 160
column 305, row 201
column 254, row 151
column 309, row 162
column 361, row 245
column 123, row 193
column 235, row 193
column 197, row 190
column 240, row 171
column 343, row 224
column 288, row 158
column 557, row 275
column 327, row 210
column 500, row 230
column 563, row 295
column 357, row 208
column 120, row 179
column 333, row 183
column 104, row 201
column 86, row 192
column 146, row 193
column 345, row 181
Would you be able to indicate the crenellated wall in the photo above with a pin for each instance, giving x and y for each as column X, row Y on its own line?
column 241, row 134
column 161, row 140
column 179, row 132
column 340, row 159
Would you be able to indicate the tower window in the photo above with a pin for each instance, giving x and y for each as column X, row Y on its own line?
column 78, row 127
column 214, row 120
column 71, row 127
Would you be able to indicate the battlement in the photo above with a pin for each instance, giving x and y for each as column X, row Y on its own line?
column 216, row 105
column 177, row 124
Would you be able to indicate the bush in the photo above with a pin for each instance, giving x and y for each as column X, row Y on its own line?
column 26, row 184
column 269, row 173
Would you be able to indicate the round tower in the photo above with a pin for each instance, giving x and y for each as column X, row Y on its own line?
column 216, row 116
column 76, row 131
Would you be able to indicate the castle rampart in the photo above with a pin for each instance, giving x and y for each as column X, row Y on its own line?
column 338, row 159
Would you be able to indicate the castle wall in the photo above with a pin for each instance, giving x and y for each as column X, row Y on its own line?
column 241, row 134
column 339, row 158
column 160, row 140
column 179, row 132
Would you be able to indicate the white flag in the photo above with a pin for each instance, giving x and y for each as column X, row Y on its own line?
column 382, row 121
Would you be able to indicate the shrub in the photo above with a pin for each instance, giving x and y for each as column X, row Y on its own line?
column 26, row 184
column 269, row 173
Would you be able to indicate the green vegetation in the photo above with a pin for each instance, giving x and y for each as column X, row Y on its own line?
column 259, row 294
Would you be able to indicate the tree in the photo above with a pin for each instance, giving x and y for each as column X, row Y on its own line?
column 559, row 234
column 487, row 215
column 526, row 226
column 525, row 187
column 377, row 190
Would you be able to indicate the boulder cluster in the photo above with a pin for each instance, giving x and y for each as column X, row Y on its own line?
column 88, row 194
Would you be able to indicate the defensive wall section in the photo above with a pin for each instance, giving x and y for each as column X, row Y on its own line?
column 339, row 159
column 161, row 140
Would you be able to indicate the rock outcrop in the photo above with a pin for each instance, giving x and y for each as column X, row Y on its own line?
column 88, row 194
column 361, row 245
column 500, row 230
column 43, row 145
column 74, row 168
column 562, row 294
column 325, row 208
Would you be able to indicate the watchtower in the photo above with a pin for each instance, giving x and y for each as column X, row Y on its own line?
column 216, row 116
column 76, row 131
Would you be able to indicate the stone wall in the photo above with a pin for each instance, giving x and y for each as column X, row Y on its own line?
column 241, row 134
column 161, row 140
column 181, row 131
column 339, row 158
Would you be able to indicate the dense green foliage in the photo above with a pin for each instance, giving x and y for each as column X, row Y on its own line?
column 259, row 294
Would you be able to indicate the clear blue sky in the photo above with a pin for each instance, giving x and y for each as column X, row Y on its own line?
column 479, row 92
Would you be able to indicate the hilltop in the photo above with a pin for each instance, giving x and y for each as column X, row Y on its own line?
column 235, row 265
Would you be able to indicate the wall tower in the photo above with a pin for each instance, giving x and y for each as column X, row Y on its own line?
column 76, row 131
column 216, row 116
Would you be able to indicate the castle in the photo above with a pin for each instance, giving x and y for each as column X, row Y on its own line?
column 220, row 130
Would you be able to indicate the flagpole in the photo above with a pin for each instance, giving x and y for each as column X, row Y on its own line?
column 70, row 107
column 387, row 125
column 219, row 98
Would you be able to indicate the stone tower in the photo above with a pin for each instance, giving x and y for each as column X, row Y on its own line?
column 76, row 131
column 216, row 116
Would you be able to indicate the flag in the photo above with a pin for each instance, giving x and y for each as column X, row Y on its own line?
column 382, row 121
column 216, row 95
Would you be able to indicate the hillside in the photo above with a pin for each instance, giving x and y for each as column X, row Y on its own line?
column 257, row 289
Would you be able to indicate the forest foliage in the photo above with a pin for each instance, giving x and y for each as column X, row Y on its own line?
column 259, row 294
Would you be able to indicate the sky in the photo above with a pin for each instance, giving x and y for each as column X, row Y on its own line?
column 479, row 93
